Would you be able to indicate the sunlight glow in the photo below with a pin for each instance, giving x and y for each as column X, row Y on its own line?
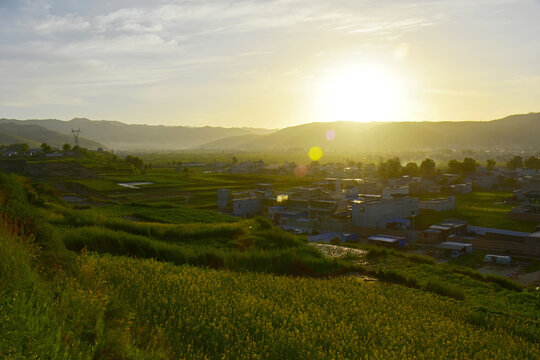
column 361, row 93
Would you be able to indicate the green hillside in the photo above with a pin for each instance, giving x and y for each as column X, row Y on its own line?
column 34, row 135
column 118, row 135
column 81, row 284
column 516, row 131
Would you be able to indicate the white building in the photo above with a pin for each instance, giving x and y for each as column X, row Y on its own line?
column 379, row 212
column 439, row 204
column 247, row 207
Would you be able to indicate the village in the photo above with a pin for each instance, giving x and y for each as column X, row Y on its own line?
column 383, row 211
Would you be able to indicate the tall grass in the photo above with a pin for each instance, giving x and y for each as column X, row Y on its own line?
column 279, row 259
column 499, row 280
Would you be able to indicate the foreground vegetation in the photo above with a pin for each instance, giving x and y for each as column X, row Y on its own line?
column 129, row 290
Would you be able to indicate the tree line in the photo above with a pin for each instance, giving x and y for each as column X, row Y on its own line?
column 393, row 167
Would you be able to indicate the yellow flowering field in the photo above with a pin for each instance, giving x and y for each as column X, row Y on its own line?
column 197, row 313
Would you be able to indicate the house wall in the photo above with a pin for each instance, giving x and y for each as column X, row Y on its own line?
column 247, row 208
column 377, row 213
column 439, row 205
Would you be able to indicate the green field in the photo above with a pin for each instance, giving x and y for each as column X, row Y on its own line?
column 480, row 209
column 171, row 187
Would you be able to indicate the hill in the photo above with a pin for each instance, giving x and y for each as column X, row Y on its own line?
column 512, row 132
column 118, row 135
column 34, row 135
column 515, row 132
column 136, row 290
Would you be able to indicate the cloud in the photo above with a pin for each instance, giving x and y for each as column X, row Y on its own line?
column 87, row 52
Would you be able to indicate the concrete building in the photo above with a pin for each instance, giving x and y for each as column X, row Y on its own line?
column 505, row 241
column 377, row 213
column 394, row 191
column 456, row 249
column 224, row 199
column 247, row 207
column 437, row 205
column 530, row 210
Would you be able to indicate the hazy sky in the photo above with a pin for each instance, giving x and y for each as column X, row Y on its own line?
column 269, row 63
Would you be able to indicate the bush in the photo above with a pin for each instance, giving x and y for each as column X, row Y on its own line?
column 504, row 282
column 499, row 280
column 421, row 259
column 445, row 289
column 396, row 277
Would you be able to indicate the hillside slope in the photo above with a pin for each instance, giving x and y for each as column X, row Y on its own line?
column 118, row 305
column 34, row 135
column 516, row 131
column 118, row 135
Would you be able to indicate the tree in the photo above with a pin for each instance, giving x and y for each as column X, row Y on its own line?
column 532, row 162
column 427, row 168
column 469, row 165
column 490, row 164
column 135, row 161
column 20, row 148
column 411, row 169
column 515, row 163
column 66, row 148
column 391, row 168
column 454, row 166
column 234, row 160
column 47, row 149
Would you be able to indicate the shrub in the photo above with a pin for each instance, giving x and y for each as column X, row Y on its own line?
column 421, row 259
column 445, row 289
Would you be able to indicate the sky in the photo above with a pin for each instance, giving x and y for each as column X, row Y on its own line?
column 269, row 63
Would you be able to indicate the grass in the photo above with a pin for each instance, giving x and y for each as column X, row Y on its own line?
column 132, row 293
column 170, row 186
column 498, row 294
column 164, row 213
column 480, row 209
column 284, row 259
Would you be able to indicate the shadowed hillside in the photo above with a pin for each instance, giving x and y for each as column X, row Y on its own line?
column 516, row 131
column 118, row 135
column 34, row 135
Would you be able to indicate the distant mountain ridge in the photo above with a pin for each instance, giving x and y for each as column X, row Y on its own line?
column 118, row 135
column 34, row 135
column 515, row 132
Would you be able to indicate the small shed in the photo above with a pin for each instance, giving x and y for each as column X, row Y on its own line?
column 388, row 241
column 431, row 236
column 456, row 249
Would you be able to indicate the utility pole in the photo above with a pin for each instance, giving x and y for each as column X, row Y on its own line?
column 76, row 136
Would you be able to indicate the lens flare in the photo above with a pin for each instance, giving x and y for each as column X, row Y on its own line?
column 315, row 153
column 330, row 135
column 300, row 171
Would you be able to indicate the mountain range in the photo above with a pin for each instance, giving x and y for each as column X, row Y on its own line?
column 512, row 132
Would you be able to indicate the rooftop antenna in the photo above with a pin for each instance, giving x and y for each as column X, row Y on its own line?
column 76, row 135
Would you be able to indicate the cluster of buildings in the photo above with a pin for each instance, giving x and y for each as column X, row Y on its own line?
column 12, row 154
column 378, row 212
column 329, row 205
column 530, row 195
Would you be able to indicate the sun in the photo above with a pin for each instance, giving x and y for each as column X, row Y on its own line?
column 361, row 93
